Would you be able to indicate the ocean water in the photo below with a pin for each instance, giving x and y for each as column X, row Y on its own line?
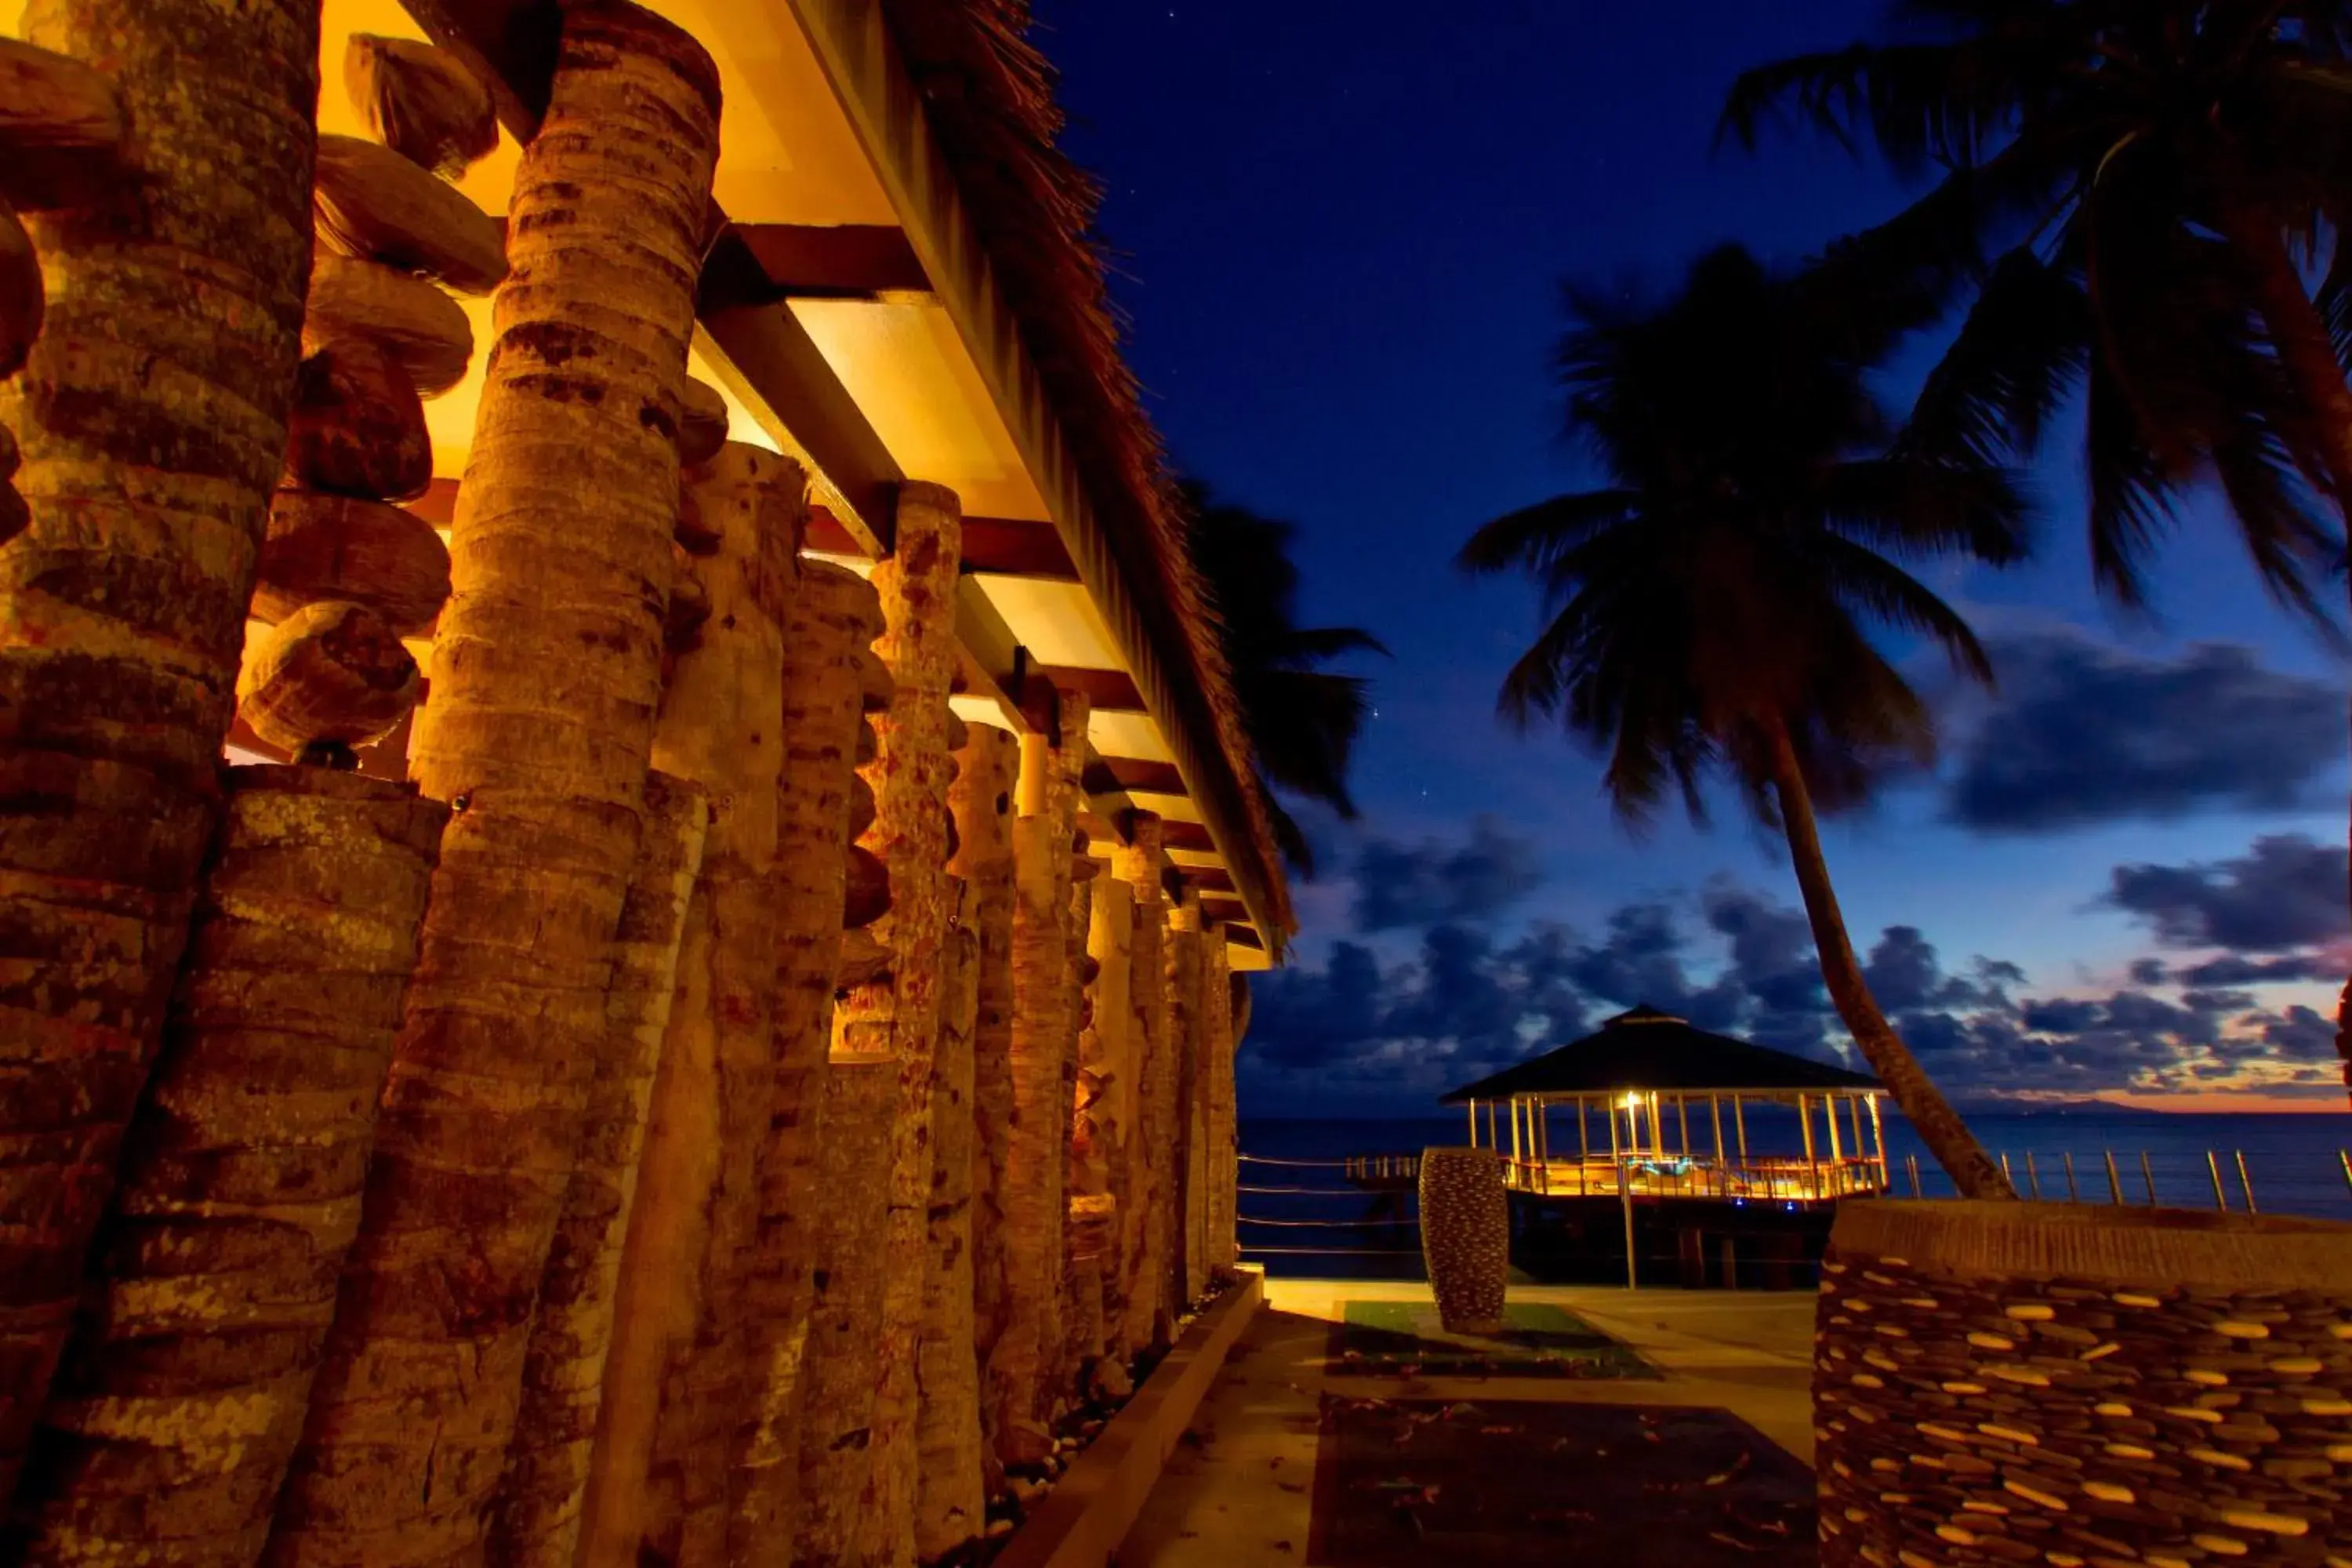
column 1297, row 1197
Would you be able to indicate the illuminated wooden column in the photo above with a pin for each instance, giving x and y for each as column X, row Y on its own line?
column 151, row 415
column 537, row 1516
column 821, row 804
column 1086, row 1220
column 1219, row 1137
column 909, row 775
column 544, row 687
column 983, row 801
column 675, row 1381
column 1151, row 1134
column 181, row 1393
column 1030, row 1192
column 1102, row 1174
column 951, row 1504
column 1188, row 1162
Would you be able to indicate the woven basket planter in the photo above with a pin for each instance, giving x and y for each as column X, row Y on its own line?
column 2075, row 1384
column 1466, row 1236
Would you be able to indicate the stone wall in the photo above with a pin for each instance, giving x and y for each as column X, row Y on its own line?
column 1980, row 1418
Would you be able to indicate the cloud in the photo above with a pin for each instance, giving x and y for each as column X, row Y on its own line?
column 2085, row 733
column 1399, row 885
column 2287, row 892
column 1393, row 1035
column 2232, row 970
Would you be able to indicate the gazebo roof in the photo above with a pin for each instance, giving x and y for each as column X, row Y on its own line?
column 1648, row 1049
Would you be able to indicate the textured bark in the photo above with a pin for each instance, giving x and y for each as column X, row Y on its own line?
column 1217, row 1059
column 949, row 1502
column 1085, row 1218
column 834, row 617
column 537, row 1520
column 833, row 1526
column 674, row 1381
column 1939, row 1127
column 182, row 1394
column 545, row 685
column 1101, row 1179
column 1149, row 1130
column 1187, row 1251
column 982, row 800
column 909, row 775
column 1022, row 1356
column 152, row 419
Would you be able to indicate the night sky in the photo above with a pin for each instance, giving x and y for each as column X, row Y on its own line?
column 1343, row 226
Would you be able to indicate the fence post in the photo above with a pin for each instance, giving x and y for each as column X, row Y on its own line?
column 2115, row 1182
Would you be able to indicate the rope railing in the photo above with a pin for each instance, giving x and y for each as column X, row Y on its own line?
column 1353, row 1172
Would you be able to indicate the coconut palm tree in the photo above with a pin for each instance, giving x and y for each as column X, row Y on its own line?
column 1302, row 719
column 2141, row 192
column 1711, row 605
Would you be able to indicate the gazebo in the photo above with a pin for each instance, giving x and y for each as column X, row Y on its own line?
column 1637, row 1087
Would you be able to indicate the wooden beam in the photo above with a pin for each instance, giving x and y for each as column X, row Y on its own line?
column 1176, row 834
column 774, row 354
column 841, row 261
column 1116, row 776
column 1009, row 548
column 1111, row 691
column 1227, row 908
column 1209, row 878
column 1245, row 936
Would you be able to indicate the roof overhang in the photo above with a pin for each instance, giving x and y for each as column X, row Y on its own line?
column 849, row 315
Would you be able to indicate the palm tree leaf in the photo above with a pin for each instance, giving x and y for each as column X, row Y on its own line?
column 2017, row 357
column 1862, row 579
column 1533, row 537
column 1918, row 508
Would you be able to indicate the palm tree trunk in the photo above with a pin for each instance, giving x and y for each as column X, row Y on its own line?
column 1184, row 1021
column 676, row 1386
column 910, row 774
column 982, row 797
column 545, row 682
column 1143, row 1224
column 951, row 1502
column 1102, row 1177
column 1030, row 1192
column 152, row 422
column 1217, row 1005
column 1938, row 1125
column 539, row 1507
column 2308, row 357
column 182, row 1395
column 834, row 618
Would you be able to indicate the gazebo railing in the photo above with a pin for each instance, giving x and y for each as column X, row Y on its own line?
column 1647, row 1175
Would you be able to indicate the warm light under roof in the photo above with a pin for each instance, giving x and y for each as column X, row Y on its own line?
column 903, row 361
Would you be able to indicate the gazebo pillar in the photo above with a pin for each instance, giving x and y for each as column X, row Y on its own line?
column 1086, row 1218
column 951, row 1503
column 1152, row 1135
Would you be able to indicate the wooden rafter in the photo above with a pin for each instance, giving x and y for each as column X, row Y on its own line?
column 840, row 261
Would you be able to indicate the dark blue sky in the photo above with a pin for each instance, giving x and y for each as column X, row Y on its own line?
column 1342, row 228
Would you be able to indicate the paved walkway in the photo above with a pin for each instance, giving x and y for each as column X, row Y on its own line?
column 1242, row 1489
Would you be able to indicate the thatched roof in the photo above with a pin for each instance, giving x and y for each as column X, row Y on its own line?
column 988, row 97
column 1647, row 1050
